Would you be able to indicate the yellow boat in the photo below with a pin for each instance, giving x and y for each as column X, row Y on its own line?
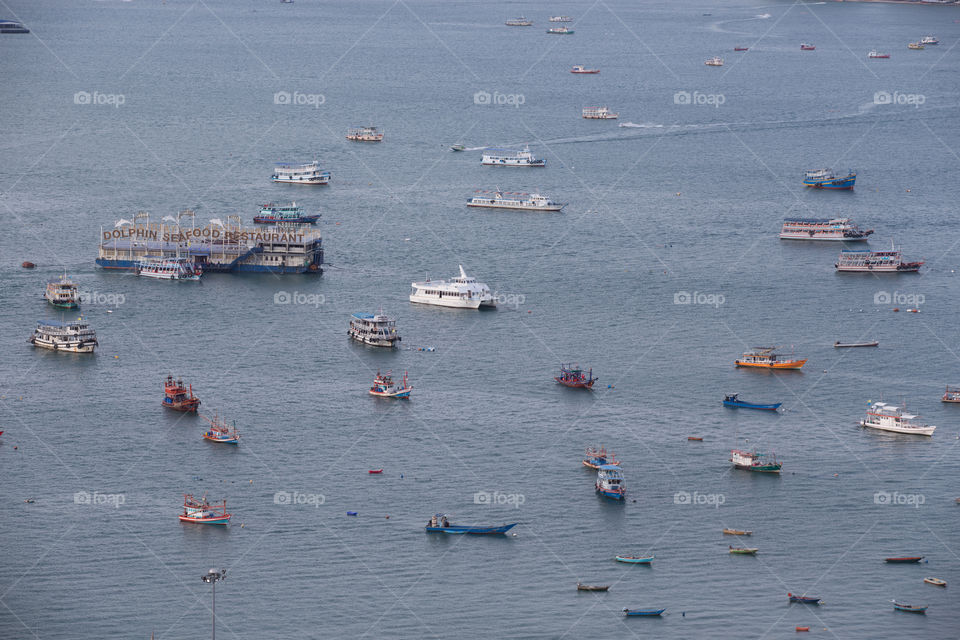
column 936, row 582
column 766, row 358
column 737, row 532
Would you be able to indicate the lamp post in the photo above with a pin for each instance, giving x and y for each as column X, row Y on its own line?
column 212, row 577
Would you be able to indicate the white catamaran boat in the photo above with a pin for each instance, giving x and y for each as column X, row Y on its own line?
column 463, row 293
column 837, row 229
column 309, row 173
column 168, row 268
column 75, row 337
column 511, row 158
column 599, row 113
column 889, row 417
column 511, row 200
column 378, row 330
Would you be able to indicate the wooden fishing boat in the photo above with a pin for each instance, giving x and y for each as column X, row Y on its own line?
column 592, row 587
column 767, row 358
column 440, row 524
column 201, row 511
column 737, row 532
column 903, row 559
column 731, row 400
column 952, row 394
column 909, row 608
column 572, row 376
column 384, row 386
column 220, row 431
column 745, row 551
column 803, row 599
column 643, row 612
column 594, row 457
column 634, row 559
column 937, row 582
column 178, row 397
column 842, row 345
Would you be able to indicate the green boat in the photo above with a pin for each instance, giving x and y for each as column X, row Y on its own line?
column 753, row 461
column 63, row 293
column 457, row 147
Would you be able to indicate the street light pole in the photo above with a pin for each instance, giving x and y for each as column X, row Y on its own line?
column 212, row 577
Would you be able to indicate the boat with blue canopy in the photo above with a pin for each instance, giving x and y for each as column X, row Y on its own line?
column 732, row 400
column 643, row 612
column 610, row 482
column 439, row 523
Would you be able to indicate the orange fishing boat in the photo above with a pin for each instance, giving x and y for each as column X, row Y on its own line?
column 767, row 358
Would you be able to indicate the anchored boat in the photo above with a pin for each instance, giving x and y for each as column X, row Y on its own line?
column 12, row 26
column 835, row 229
column 903, row 559
column 378, row 330
column 220, row 431
column 561, row 19
column 737, row 532
column 915, row 45
column 463, row 292
column 643, row 612
column 364, row 134
column 806, row 47
column 560, row 31
column 513, row 200
column 888, row 417
column 300, row 173
column 909, row 608
column 877, row 55
column 63, row 293
column 592, row 587
column 753, row 461
column 385, row 387
column 572, row 375
column 579, row 68
column 439, row 523
column 599, row 457
column 937, row 582
column 803, row 599
column 863, row 260
column 767, row 358
column 732, row 400
column 743, row 551
column 827, row 179
column 952, row 394
column 929, row 40
column 73, row 337
column 635, row 559
column 511, row 158
column 201, row 511
column 284, row 214
column 610, row 482
column 844, row 345
column 519, row 22
column 715, row 61
column 178, row 397
column 599, row 113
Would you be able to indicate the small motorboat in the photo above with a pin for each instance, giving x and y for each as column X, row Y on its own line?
column 643, row 612
column 634, row 559
column 375, row 471
column 806, row 47
column 695, row 438
column 737, row 532
column 803, row 599
column 842, row 345
column 877, row 55
column 592, row 587
column 909, row 608
column 744, row 551
column 741, row 48
column 903, row 559
column 937, row 582
column 440, row 524
column 731, row 400
column 579, row 68
column 915, row 45
column 457, row 147
column 28, row 265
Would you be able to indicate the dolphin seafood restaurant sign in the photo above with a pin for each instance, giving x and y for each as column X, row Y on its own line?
column 201, row 234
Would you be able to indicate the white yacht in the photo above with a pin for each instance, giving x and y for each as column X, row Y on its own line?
column 889, row 417
column 511, row 200
column 75, row 337
column 308, row 173
column 463, row 293
column 511, row 158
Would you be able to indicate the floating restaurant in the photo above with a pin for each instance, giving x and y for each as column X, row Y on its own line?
column 216, row 247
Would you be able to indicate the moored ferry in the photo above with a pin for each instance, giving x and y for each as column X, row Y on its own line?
column 512, row 200
column 511, row 158
column 599, row 113
column 463, row 292
column 767, row 358
column 216, row 247
column 518, row 22
column 162, row 268
column 63, row 293
column 753, row 461
column 836, row 229
column 283, row 214
column 364, row 134
column 610, row 482
column 300, row 173
column 73, row 337
column 888, row 417
column 827, row 179
column 378, row 330
column 12, row 26
column 863, row 260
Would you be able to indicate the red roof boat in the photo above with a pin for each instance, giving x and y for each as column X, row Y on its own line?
column 572, row 375
column 199, row 510
column 178, row 397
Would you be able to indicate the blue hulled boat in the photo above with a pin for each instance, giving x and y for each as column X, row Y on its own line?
column 732, row 400
column 803, row 599
column 610, row 482
column 12, row 26
column 440, row 524
column 827, row 179
column 643, row 612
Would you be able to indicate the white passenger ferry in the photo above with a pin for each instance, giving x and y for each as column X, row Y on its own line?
column 463, row 293
column 875, row 261
column 836, row 229
column 715, row 61
column 511, row 200
column 511, row 158
column 378, row 330
column 518, row 22
column 75, row 337
column 63, row 293
column 309, row 173
column 599, row 113
column 561, row 19
column 365, row 134
column 168, row 268
column 889, row 417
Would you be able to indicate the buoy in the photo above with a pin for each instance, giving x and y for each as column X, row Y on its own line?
column 351, row 513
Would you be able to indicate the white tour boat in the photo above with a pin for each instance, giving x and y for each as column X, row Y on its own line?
column 836, row 229
column 75, row 337
column 889, row 417
column 463, row 293
column 365, row 134
column 511, row 158
column 63, row 293
column 716, row 61
column 518, row 22
column 599, row 113
column 168, row 268
column 309, row 173
column 511, row 200
column 378, row 330
column 561, row 19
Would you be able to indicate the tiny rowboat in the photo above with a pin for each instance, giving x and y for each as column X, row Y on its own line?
column 746, row 551
column 909, row 608
column 904, row 559
column 643, row 612
column 937, row 582
column 592, row 587
column 737, row 532
column 841, row 345
column 731, row 400
column 634, row 559
column 803, row 599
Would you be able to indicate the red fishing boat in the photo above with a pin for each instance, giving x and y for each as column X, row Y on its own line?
column 220, row 431
column 178, row 397
column 741, row 48
column 200, row 510
column 572, row 375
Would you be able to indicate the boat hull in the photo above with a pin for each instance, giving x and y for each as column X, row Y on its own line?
column 550, row 207
column 760, row 468
column 643, row 612
column 903, row 560
column 220, row 520
column 844, row 183
column 631, row 560
column 738, row 404
column 403, row 393
column 187, row 406
column 792, row 364
column 452, row 302
column 481, row 531
column 576, row 385
column 70, row 347
column 920, row 431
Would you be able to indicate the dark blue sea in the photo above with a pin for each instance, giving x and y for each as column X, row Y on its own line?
column 662, row 269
